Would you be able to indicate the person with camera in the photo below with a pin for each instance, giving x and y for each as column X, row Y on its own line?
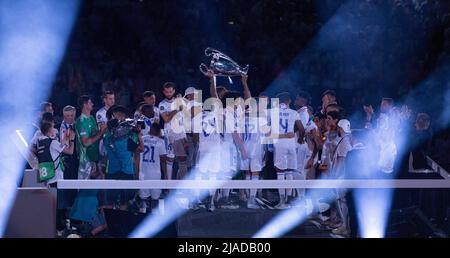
column 122, row 139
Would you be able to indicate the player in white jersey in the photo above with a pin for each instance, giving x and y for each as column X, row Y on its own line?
column 100, row 116
column 253, row 164
column 208, row 163
column 229, row 154
column 313, row 140
column 301, row 103
column 46, row 117
column 148, row 116
column 193, row 107
column 231, row 140
column 175, row 136
column 149, row 99
column 283, row 123
column 152, row 163
column 252, row 136
column 109, row 100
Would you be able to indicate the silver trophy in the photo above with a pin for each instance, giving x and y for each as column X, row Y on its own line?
column 222, row 65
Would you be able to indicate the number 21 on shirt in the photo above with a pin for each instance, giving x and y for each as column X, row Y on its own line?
column 149, row 154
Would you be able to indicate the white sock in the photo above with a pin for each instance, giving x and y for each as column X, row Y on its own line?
column 197, row 191
column 281, row 191
column 253, row 190
column 212, row 192
column 299, row 176
column 289, row 176
column 343, row 212
column 226, row 192
column 248, row 177
column 182, row 169
column 169, row 166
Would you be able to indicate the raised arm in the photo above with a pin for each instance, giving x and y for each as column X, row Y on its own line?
column 212, row 85
column 247, row 93
column 239, row 144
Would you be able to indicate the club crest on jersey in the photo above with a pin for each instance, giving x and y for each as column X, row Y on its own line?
column 161, row 108
column 99, row 116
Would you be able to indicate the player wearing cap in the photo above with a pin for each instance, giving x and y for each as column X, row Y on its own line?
column 193, row 107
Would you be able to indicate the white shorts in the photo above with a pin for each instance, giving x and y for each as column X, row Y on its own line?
column 255, row 162
column 169, row 148
column 209, row 161
column 285, row 156
column 229, row 158
column 252, row 164
column 302, row 151
column 154, row 193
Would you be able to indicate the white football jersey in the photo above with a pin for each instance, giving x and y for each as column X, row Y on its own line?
column 38, row 133
column 63, row 129
column 209, row 137
column 154, row 148
column 286, row 122
column 310, row 126
column 230, row 126
column 174, row 128
column 303, row 115
column 100, row 116
column 137, row 114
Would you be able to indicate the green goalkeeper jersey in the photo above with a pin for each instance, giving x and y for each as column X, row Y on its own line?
column 86, row 126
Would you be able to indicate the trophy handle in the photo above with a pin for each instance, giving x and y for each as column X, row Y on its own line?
column 204, row 69
column 245, row 70
column 209, row 51
column 217, row 54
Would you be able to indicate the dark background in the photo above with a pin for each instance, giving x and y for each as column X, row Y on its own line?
column 363, row 49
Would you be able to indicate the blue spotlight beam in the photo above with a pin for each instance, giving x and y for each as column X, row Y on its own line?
column 34, row 35
column 330, row 39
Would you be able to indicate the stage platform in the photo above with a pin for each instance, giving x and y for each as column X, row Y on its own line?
column 238, row 223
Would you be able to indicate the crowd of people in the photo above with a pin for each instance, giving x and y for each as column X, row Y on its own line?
column 381, row 50
column 148, row 128
column 183, row 136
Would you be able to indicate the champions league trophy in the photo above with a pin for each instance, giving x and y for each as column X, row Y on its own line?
column 222, row 65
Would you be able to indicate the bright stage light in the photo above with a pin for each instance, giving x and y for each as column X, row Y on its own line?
column 33, row 40
column 373, row 208
column 154, row 223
